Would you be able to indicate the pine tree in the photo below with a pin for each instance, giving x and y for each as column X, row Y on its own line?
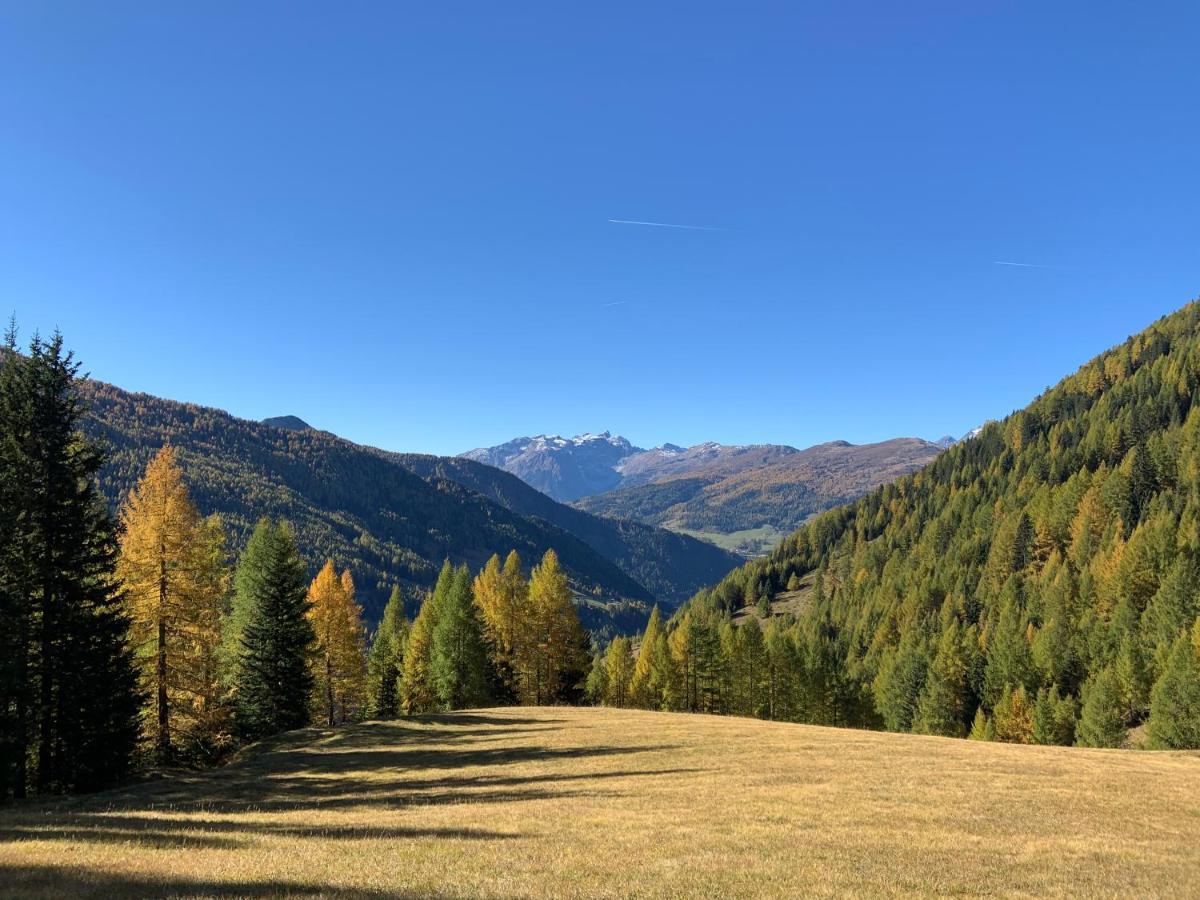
column 386, row 659
column 1100, row 721
column 338, row 665
column 1175, row 701
column 68, row 692
column 459, row 663
column 273, row 684
column 172, row 568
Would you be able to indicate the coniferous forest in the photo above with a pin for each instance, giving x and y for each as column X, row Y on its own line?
column 1039, row 583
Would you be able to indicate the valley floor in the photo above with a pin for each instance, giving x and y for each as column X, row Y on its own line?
column 594, row 802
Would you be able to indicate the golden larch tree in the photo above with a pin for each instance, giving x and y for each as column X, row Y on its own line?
column 172, row 565
column 339, row 661
column 554, row 654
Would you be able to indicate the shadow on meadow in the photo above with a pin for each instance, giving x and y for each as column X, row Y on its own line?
column 376, row 765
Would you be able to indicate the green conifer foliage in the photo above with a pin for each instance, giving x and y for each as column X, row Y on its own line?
column 459, row 663
column 1175, row 701
column 272, row 682
column 1101, row 723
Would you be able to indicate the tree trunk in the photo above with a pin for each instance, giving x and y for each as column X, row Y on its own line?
column 164, row 718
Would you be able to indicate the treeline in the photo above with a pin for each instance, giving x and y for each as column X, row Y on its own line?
column 1040, row 582
column 497, row 638
column 138, row 642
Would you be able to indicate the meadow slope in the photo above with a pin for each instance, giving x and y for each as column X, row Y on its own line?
column 596, row 802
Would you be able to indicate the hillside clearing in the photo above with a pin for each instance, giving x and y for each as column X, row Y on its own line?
column 596, row 802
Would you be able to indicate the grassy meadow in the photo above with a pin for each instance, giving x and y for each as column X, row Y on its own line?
column 547, row 802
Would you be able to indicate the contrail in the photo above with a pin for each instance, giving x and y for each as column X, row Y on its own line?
column 1024, row 265
column 664, row 225
column 614, row 303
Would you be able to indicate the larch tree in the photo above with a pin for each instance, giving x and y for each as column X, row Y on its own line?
column 643, row 687
column 338, row 663
column 417, row 694
column 1175, row 701
column 386, row 659
column 618, row 668
column 172, row 568
column 502, row 594
column 554, row 657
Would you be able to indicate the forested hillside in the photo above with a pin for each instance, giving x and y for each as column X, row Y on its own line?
column 1038, row 582
column 371, row 512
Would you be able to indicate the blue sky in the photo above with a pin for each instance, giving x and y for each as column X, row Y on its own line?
column 394, row 219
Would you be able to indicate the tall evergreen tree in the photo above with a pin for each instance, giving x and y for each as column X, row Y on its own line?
column 459, row 663
column 68, row 693
column 386, row 659
column 272, row 682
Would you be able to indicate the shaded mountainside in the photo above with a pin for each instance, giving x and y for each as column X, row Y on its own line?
column 1055, row 556
column 727, row 489
column 370, row 511
column 672, row 566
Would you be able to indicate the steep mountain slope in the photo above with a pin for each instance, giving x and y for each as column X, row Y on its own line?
column 711, row 488
column 1052, row 561
column 672, row 566
column 364, row 506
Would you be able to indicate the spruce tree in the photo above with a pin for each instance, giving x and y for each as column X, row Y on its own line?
column 69, row 689
column 459, row 663
column 273, row 683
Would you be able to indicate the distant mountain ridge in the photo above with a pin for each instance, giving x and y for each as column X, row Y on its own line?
column 711, row 489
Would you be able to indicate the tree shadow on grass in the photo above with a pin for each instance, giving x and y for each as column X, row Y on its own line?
column 373, row 766
column 64, row 881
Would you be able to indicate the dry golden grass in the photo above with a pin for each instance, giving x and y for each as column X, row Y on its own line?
column 586, row 802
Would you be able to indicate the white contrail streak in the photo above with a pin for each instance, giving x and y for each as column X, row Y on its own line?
column 1024, row 265
column 664, row 225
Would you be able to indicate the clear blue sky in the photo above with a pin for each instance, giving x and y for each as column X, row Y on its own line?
column 392, row 219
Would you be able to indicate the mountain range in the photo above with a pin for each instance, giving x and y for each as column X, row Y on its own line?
column 743, row 497
column 393, row 518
